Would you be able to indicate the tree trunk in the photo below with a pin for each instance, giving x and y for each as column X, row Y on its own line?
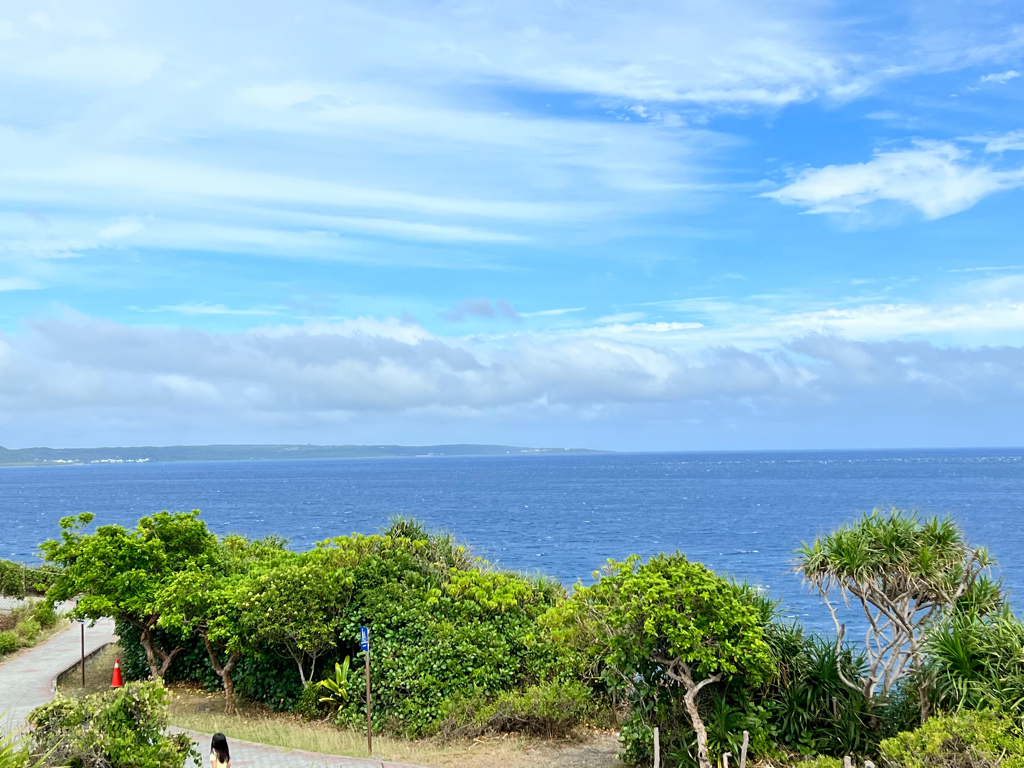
column 926, row 706
column 157, row 669
column 681, row 672
column 224, row 672
column 690, row 700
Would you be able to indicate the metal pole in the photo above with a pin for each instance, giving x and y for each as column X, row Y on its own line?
column 369, row 718
column 82, row 625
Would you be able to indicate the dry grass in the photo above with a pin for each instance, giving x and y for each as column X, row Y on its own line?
column 194, row 709
column 98, row 669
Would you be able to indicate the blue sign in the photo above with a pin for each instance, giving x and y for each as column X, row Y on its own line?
column 364, row 638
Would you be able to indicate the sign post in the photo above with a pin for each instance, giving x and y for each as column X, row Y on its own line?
column 364, row 646
column 82, row 624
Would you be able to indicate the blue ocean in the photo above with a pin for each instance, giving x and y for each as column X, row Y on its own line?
column 740, row 513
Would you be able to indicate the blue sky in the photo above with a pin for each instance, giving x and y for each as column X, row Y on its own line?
column 621, row 225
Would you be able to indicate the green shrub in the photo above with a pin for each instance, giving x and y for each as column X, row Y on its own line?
column 966, row 740
column 9, row 643
column 551, row 710
column 44, row 612
column 28, row 630
column 123, row 728
column 821, row 761
column 309, row 704
column 976, row 662
column 17, row 579
column 12, row 579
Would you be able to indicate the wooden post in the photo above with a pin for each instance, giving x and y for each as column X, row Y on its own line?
column 369, row 717
column 743, row 749
column 82, row 625
column 657, row 748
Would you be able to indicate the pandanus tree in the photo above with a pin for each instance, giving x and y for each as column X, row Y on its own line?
column 122, row 573
column 678, row 617
column 905, row 574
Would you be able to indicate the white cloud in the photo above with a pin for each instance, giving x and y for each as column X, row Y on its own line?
column 1000, row 77
column 367, row 366
column 552, row 312
column 1008, row 142
column 936, row 178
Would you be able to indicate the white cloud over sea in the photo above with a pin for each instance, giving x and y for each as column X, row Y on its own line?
column 841, row 367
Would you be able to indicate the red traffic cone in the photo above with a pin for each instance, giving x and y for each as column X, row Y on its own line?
column 115, row 681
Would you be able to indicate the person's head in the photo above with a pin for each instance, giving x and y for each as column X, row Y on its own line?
column 220, row 747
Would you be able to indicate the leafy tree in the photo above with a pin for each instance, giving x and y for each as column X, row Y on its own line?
column 904, row 573
column 208, row 605
column 297, row 605
column 676, row 621
column 123, row 574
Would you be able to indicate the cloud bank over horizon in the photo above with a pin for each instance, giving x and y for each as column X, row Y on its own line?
column 96, row 377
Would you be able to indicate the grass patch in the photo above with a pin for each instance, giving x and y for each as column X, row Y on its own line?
column 29, row 624
column 98, row 670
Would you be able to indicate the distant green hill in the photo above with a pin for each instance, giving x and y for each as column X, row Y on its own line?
column 57, row 456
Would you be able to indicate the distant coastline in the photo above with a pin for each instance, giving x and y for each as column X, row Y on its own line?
column 174, row 453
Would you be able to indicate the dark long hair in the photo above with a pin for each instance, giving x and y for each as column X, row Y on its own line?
column 220, row 746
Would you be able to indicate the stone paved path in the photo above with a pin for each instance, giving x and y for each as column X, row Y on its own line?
column 30, row 678
column 245, row 754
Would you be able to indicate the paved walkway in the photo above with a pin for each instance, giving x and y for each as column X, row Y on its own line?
column 245, row 754
column 30, row 678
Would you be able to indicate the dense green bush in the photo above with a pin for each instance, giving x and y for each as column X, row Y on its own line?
column 552, row 709
column 17, row 580
column 12, row 579
column 965, row 740
column 121, row 728
column 810, row 709
column 977, row 661
column 9, row 642
column 28, row 630
column 44, row 612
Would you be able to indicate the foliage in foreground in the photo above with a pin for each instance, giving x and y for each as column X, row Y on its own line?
column 464, row 649
column 965, row 740
column 123, row 728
